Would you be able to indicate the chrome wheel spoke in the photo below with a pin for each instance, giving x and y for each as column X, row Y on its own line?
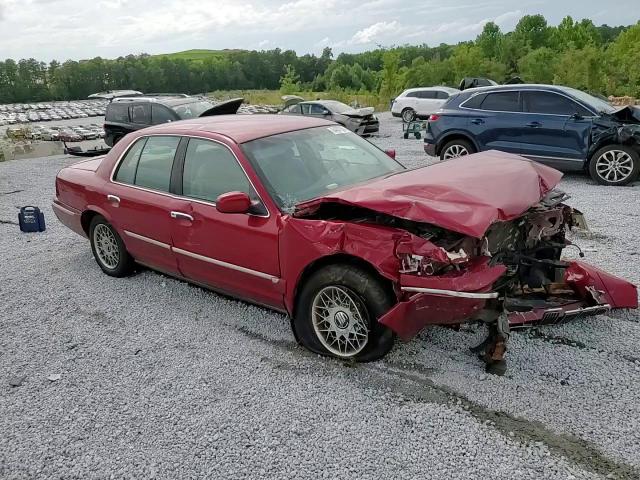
column 614, row 165
column 106, row 246
column 337, row 316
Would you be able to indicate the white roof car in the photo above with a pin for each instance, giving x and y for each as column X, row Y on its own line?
column 420, row 102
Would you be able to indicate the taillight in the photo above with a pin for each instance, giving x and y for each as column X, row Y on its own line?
column 433, row 117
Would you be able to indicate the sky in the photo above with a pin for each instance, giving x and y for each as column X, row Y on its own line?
column 78, row 29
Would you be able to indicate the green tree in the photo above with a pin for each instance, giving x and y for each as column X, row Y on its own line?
column 489, row 40
column 533, row 31
column 538, row 66
column 290, row 81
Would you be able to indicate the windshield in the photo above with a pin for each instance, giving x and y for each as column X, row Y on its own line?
column 192, row 109
column 595, row 103
column 305, row 164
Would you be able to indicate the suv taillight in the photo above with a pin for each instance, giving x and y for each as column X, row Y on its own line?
column 433, row 117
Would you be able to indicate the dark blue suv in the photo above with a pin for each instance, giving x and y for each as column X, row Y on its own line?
column 560, row 126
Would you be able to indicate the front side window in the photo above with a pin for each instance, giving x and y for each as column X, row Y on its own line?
column 440, row 95
column 160, row 114
column 551, row 104
column 297, row 166
column 210, row 170
column 317, row 109
column 502, row 102
column 155, row 163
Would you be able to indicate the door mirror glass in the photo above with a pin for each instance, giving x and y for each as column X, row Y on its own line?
column 391, row 153
column 576, row 116
column 233, row 202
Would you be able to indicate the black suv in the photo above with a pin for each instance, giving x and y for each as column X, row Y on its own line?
column 127, row 114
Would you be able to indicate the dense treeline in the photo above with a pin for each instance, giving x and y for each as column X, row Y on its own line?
column 601, row 59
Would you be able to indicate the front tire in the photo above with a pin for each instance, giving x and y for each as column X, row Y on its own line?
column 337, row 312
column 614, row 165
column 408, row 115
column 108, row 248
column 456, row 148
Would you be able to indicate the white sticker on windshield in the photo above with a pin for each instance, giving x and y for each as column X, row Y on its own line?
column 338, row 130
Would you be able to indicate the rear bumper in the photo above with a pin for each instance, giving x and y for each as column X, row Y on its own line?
column 430, row 149
column 459, row 299
column 68, row 216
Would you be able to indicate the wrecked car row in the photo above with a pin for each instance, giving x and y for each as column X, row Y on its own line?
column 303, row 216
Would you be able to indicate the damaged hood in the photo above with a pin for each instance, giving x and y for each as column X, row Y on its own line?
column 627, row 114
column 358, row 112
column 465, row 195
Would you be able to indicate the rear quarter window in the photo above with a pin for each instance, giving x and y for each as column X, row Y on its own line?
column 117, row 112
column 475, row 101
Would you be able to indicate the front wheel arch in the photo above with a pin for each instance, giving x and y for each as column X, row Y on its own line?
column 337, row 259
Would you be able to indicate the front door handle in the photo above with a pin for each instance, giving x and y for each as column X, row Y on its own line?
column 113, row 198
column 477, row 121
column 534, row 125
column 182, row 215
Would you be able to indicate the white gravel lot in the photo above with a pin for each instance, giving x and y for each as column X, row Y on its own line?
column 160, row 379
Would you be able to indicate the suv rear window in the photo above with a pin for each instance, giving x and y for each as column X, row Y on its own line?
column 502, row 102
column 117, row 112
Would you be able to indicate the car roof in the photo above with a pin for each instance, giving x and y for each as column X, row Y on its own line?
column 518, row 86
column 168, row 100
column 435, row 87
column 240, row 128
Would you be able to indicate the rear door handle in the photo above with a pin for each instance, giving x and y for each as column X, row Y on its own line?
column 182, row 215
column 534, row 125
column 477, row 121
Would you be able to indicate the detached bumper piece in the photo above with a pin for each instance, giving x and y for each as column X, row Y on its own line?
column 555, row 316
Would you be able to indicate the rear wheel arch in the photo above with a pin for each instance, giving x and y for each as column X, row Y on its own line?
column 455, row 136
column 338, row 259
column 85, row 220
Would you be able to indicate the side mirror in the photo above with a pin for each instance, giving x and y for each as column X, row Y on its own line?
column 576, row 116
column 233, row 202
column 391, row 153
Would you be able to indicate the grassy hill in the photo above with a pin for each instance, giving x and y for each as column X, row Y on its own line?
column 196, row 54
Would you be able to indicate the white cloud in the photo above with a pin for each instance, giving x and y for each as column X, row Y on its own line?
column 374, row 32
column 263, row 43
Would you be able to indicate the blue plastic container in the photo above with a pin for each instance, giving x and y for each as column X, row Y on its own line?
column 31, row 219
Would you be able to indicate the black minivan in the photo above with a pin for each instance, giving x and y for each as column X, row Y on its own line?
column 127, row 114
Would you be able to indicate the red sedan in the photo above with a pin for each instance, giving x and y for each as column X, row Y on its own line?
column 305, row 217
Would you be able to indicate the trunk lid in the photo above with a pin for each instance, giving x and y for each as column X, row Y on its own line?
column 465, row 195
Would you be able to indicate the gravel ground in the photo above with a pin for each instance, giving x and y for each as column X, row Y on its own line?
column 149, row 377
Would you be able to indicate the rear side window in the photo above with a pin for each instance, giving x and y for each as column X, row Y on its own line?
column 502, row 102
column 127, row 170
column 306, row 108
column 117, row 112
column 141, row 114
column 475, row 101
column 161, row 114
column 293, row 109
column 156, row 162
column 210, row 170
column 552, row 104
column 440, row 95
column 427, row 94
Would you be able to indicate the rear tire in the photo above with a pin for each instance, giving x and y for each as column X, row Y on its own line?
column 456, row 148
column 108, row 248
column 614, row 165
column 337, row 314
column 408, row 115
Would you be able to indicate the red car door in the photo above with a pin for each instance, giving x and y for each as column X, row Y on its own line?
column 140, row 203
column 234, row 253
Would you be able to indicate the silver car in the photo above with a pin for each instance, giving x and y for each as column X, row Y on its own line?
column 359, row 120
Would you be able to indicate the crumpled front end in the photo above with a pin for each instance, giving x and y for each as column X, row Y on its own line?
column 514, row 272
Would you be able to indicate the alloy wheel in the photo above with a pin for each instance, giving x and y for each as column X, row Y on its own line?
column 614, row 166
column 340, row 321
column 408, row 115
column 455, row 151
column 106, row 246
